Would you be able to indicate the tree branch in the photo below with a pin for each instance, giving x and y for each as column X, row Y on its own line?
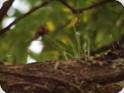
column 68, row 5
column 98, row 4
column 66, row 75
column 3, row 11
column 2, row 31
column 81, row 10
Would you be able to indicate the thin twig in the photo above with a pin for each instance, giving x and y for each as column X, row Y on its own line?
column 81, row 10
column 68, row 5
column 3, row 11
column 23, row 16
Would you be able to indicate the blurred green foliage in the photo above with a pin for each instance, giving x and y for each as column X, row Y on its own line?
column 80, row 34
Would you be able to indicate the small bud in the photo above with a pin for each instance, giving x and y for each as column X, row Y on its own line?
column 41, row 31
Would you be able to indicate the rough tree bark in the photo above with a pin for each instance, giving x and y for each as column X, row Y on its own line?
column 84, row 75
